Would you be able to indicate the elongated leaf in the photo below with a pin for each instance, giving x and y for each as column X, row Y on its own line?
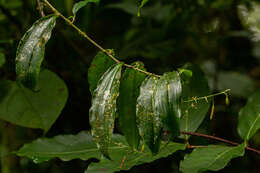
column 213, row 158
column 2, row 59
column 30, row 52
column 129, row 91
column 98, row 67
column 27, row 108
column 77, row 6
column 81, row 146
column 103, row 109
column 249, row 117
column 193, row 113
column 167, row 101
column 125, row 158
column 148, row 123
column 64, row 147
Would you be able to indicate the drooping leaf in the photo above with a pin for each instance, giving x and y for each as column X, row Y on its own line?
column 98, row 66
column 125, row 158
column 194, row 112
column 213, row 158
column 149, row 124
column 103, row 108
column 77, row 6
column 167, row 101
column 30, row 52
column 27, row 108
column 2, row 59
column 249, row 117
column 129, row 91
column 141, row 6
column 81, row 146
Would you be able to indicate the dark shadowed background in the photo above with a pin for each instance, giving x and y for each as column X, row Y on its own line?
column 169, row 34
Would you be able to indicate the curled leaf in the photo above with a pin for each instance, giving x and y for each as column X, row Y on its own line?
column 103, row 108
column 148, row 123
column 99, row 65
column 167, row 101
column 30, row 52
column 77, row 6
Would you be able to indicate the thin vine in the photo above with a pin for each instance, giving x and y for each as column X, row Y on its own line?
column 194, row 99
column 56, row 12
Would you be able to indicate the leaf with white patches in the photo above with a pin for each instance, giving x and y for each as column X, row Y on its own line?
column 30, row 52
column 103, row 109
column 167, row 101
column 149, row 124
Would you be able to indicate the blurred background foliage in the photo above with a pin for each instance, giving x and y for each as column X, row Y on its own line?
column 222, row 36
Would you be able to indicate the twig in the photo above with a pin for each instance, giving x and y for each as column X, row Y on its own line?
column 40, row 8
column 93, row 42
column 219, row 139
column 206, row 97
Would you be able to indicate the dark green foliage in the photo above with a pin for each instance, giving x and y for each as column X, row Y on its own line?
column 220, row 41
column 81, row 4
column 148, row 122
column 129, row 91
column 167, row 101
column 194, row 112
column 30, row 52
column 249, row 117
column 103, row 109
column 213, row 157
column 99, row 65
column 27, row 108
column 68, row 147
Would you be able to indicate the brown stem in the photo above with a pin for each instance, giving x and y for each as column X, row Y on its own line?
column 40, row 8
column 218, row 139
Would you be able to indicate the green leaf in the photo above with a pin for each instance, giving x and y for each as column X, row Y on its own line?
column 141, row 6
column 249, row 117
column 103, row 108
column 148, row 123
column 2, row 59
column 193, row 113
column 30, row 51
column 81, row 146
column 213, row 158
column 77, row 6
column 64, row 147
column 98, row 66
column 125, row 158
column 27, row 108
column 167, row 101
column 129, row 91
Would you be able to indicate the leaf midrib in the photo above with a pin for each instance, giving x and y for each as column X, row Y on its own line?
column 221, row 154
column 251, row 128
column 68, row 152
